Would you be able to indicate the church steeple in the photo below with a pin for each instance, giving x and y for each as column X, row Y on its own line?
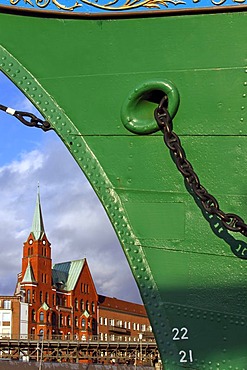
column 38, row 229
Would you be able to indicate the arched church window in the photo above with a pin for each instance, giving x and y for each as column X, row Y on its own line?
column 83, row 324
column 87, row 306
column 68, row 321
column 76, row 304
column 41, row 296
column 28, row 296
column 93, row 307
column 82, row 305
column 33, row 315
column 93, row 324
column 41, row 316
column 54, row 319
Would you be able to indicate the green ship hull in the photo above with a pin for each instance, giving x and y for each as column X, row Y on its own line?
column 82, row 75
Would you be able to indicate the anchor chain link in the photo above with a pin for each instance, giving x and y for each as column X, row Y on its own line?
column 27, row 118
column 231, row 221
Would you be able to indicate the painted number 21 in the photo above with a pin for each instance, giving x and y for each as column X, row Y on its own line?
column 182, row 334
column 186, row 356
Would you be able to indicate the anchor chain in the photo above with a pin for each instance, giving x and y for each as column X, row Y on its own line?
column 231, row 221
column 27, row 118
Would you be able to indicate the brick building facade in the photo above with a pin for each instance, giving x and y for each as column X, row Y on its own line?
column 61, row 299
column 122, row 321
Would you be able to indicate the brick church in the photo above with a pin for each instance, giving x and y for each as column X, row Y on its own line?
column 61, row 301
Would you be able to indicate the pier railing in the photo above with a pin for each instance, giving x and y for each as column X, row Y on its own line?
column 92, row 350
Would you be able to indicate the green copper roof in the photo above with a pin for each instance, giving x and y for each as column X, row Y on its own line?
column 29, row 276
column 66, row 274
column 45, row 306
column 38, row 224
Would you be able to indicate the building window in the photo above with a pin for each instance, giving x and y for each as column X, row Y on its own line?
column 87, row 306
column 129, row 327
column 111, row 322
column 46, row 297
column 101, row 320
column 33, row 296
column 28, row 296
column 119, row 323
column 137, row 326
column 33, row 315
column 6, row 319
column 105, row 321
column 41, row 296
column 68, row 321
column 134, row 326
column 53, row 319
column 93, row 307
column 76, row 304
column 41, row 316
column 83, row 324
column 32, row 333
column 61, row 320
column 76, row 322
column 6, row 305
column 82, row 305
column 93, row 324
column 143, row 327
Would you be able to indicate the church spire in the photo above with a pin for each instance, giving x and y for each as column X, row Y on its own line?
column 38, row 224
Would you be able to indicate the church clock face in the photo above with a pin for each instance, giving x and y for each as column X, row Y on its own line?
column 44, row 242
column 30, row 241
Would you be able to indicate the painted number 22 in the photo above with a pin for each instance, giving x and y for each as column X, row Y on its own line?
column 180, row 334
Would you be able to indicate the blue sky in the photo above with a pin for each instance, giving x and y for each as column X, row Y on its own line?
column 75, row 222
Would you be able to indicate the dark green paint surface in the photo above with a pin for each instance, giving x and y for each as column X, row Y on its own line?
column 79, row 73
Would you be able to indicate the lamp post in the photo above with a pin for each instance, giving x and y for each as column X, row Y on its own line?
column 41, row 336
column 140, row 339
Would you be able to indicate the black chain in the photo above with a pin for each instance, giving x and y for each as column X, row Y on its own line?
column 230, row 220
column 27, row 119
